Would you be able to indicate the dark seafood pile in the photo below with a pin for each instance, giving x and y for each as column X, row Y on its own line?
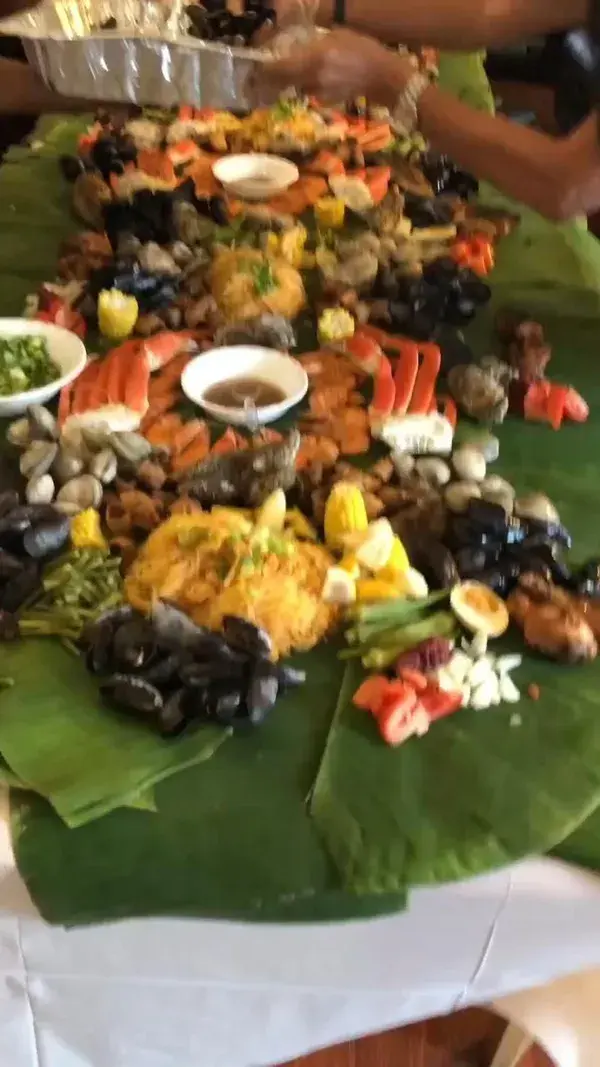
column 444, row 294
column 172, row 675
column 214, row 22
column 29, row 534
column 247, row 477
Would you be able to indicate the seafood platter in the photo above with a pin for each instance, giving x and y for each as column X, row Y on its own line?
column 177, row 551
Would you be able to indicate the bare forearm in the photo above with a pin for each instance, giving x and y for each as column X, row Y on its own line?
column 459, row 24
column 522, row 163
column 22, row 92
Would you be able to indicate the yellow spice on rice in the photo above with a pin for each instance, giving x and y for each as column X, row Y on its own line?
column 204, row 564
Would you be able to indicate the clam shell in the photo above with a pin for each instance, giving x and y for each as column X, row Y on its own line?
column 131, row 447
column 536, row 506
column 40, row 489
column 104, row 466
column 433, row 470
column 84, row 491
column 38, row 459
column 469, row 463
column 67, row 464
column 458, row 495
column 19, row 433
column 42, row 422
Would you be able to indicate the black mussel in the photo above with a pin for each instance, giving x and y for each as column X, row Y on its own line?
column 71, row 167
column 18, row 589
column 488, row 516
column 462, row 533
column 440, row 271
column 17, row 520
column 48, row 537
column 134, row 644
column 501, row 578
column 162, row 670
column 436, row 563
column 9, row 626
column 470, row 561
column 460, row 311
column 98, row 637
column 199, row 675
column 472, row 286
column 9, row 565
column 290, row 677
column 173, row 628
column 246, row 637
column 552, row 531
column 213, row 647
column 262, row 691
column 516, row 531
column 9, row 500
column 225, row 705
column 172, row 717
column 133, row 694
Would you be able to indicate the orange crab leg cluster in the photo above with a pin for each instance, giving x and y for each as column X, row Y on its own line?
column 409, row 389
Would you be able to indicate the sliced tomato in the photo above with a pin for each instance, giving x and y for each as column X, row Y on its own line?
column 438, row 703
column 575, row 406
column 371, row 694
column 535, row 406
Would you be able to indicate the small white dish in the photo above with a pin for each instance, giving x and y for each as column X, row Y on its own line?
column 221, row 365
column 255, row 176
column 66, row 350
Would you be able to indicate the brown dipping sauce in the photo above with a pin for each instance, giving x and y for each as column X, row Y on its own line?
column 235, row 392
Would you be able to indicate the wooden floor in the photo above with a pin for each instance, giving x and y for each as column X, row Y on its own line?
column 466, row 1039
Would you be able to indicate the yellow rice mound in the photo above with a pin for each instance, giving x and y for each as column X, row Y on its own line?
column 210, row 566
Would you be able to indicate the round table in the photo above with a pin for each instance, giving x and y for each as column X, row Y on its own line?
column 195, row 993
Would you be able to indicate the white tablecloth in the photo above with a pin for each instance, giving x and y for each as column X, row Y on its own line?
column 194, row 993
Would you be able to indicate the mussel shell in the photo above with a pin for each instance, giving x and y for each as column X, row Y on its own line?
column 211, row 647
column 263, row 690
column 502, row 578
column 18, row 589
column 200, row 675
column 9, row 500
column 133, row 644
column 290, row 677
column 18, row 519
column 162, row 670
column 98, row 636
column 224, row 705
column 47, row 537
column 173, row 628
column 42, row 422
column 132, row 694
column 464, row 534
column 436, row 563
column 246, row 637
column 172, row 716
column 585, row 581
column 488, row 516
column 9, row 565
column 470, row 561
column 552, row 531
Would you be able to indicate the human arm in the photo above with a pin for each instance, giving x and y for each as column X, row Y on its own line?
column 559, row 177
column 453, row 24
column 22, row 92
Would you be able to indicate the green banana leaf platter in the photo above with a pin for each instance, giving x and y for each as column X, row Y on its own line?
column 312, row 817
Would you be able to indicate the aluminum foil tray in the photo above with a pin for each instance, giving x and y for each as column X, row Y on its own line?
column 148, row 60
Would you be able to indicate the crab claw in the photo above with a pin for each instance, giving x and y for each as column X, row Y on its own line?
column 364, row 352
column 407, row 369
column 164, row 346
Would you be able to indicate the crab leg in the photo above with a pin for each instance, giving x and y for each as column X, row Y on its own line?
column 135, row 383
column 407, row 369
column 364, row 352
column 422, row 397
column 384, row 391
column 167, row 344
column 84, row 387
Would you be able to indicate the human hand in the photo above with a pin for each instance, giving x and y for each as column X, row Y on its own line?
column 338, row 66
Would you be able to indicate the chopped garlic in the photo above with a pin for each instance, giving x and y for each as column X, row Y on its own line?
column 376, row 546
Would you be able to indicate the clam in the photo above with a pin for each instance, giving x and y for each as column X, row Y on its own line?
column 84, row 491
column 40, row 489
column 498, row 491
column 458, row 495
column 95, row 438
column 469, row 463
column 66, row 508
column 19, row 433
column 403, row 463
column 435, row 471
column 104, row 466
column 536, row 506
column 38, row 459
column 67, row 465
column 42, row 422
column 131, row 447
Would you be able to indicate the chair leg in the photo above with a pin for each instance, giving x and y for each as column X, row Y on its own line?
column 515, row 1043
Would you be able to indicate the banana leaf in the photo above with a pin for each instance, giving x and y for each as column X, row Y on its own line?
column 234, row 836
column 56, row 736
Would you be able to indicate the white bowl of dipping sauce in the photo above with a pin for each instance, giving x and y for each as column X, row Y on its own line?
column 224, row 380
column 255, row 176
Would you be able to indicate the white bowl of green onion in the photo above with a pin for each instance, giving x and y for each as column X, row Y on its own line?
column 37, row 359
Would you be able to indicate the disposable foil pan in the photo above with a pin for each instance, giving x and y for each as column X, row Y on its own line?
column 149, row 60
